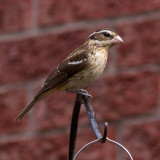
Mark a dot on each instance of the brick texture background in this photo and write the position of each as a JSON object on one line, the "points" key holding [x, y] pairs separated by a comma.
{"points": [[35, 35]]}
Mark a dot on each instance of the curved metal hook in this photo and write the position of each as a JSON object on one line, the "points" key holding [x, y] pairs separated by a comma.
{"points": [[101, 139]]}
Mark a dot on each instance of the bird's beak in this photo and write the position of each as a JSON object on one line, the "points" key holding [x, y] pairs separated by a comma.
{"points": [[117, 39]]}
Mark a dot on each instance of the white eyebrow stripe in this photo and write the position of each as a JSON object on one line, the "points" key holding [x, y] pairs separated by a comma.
{"points": [[100, 32], [92, 34], [105, 31]]}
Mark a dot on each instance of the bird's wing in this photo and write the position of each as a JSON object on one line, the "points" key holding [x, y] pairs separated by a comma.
{"points": [[65, 70], [74, 63]]}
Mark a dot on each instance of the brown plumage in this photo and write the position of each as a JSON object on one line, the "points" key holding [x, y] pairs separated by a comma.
{"points": [[80, 68]]}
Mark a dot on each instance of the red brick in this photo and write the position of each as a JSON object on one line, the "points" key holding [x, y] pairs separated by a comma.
{"points": [[11, 102], [143, 140], [34, 57], [55, 111], [57, 12], [56, 147], [125, 95], [15, 15], [142, 43]]}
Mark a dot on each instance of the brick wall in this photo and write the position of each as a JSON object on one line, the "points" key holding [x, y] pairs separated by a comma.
{"points": [[35, 35]]}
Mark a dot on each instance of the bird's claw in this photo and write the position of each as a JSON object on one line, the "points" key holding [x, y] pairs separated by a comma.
{"points": [[81, 92]]}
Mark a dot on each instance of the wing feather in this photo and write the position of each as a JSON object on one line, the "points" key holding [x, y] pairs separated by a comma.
{"points": [[65, 70]]}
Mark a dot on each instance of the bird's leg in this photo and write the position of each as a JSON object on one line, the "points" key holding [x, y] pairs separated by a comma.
{"points": [[81, 92]]}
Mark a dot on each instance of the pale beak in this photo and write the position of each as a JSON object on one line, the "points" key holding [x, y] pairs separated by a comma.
{"points": [[117, 39]]}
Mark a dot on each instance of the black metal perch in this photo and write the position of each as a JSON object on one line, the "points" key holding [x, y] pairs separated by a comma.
{"points": [[74, 126], [84, 97]]}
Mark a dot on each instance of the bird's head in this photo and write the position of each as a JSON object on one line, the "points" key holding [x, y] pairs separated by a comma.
{"points": [[105, 37]]}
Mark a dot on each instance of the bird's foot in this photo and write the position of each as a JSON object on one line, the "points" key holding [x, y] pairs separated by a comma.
{"points": [[81, 92]]}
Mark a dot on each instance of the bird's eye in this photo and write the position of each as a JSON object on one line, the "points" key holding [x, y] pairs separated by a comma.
{"points": [[106, 34]]}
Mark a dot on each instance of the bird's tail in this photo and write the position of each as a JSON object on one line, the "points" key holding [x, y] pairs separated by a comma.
{"points": [[40, 95], [25, 110]]}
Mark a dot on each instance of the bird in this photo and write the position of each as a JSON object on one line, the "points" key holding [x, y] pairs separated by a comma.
{"points": [[81, 68]]}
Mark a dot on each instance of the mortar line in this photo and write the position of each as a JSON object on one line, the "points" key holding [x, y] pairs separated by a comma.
{"points": [[147, 117], [46, 133], [35, 11], [71, 26], [119, 71], [20, 85], [27, 135], [51, 132], [150, 117]]}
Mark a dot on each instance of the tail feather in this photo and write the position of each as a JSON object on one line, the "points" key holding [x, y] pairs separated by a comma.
{"points": [[40, 95], [25, 110]]}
